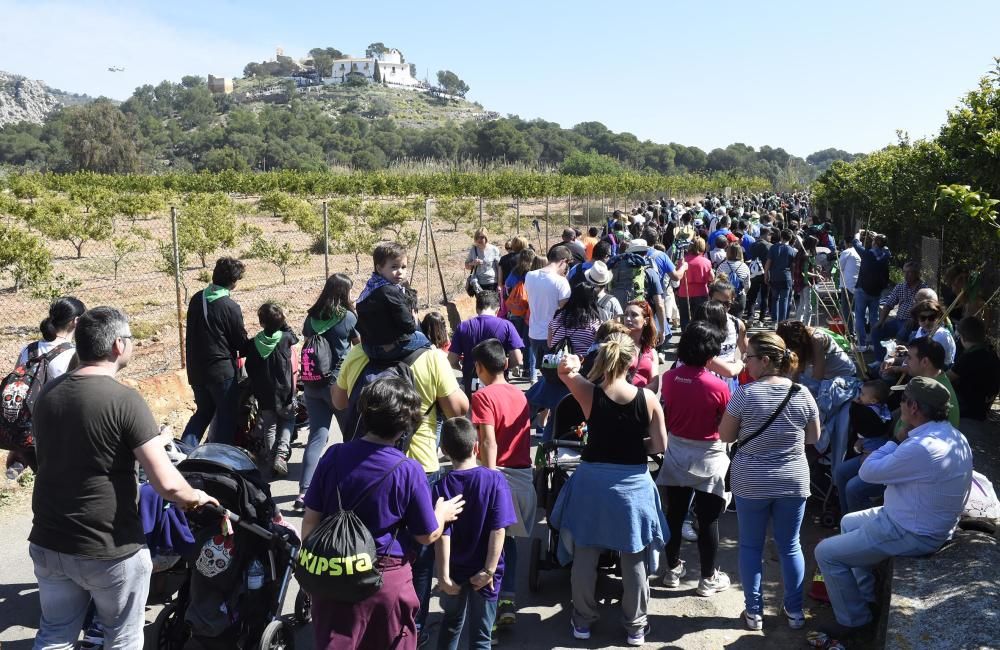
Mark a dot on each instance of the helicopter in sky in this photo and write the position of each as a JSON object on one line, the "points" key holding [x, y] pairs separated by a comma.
{"points": [[115, 68]]}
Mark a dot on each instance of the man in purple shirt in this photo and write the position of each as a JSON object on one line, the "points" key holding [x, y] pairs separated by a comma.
{"points": [[483, 326]]}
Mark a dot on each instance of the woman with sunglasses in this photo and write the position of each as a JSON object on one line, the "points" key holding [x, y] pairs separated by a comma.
{"points": [[929, 321]]}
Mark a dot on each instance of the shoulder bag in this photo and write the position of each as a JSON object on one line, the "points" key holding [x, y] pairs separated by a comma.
{"points": [[740, 444]]}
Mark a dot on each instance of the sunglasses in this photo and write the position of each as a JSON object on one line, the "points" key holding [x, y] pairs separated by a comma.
{"points": [[926, 317]]}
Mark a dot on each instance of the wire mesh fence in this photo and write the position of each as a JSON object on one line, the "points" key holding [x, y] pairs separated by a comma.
{"points": [[134, 266]]}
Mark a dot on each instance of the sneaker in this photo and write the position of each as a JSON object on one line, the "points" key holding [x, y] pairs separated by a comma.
{"points": [[672, 578], [423, 637], [728, 497], [688, 532], [753, 622], [796, 620], [506, 612], [300, 503], [280, 467], [14, 471], [638, 638], [579, 632], [710, 586], [94, 636]]}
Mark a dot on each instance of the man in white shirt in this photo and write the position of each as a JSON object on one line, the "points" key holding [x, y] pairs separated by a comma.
{"points": [[548, 290], [850, 265], [927, 477]]}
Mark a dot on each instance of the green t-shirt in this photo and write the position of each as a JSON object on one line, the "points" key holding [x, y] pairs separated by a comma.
{"points": [[953, 414]]}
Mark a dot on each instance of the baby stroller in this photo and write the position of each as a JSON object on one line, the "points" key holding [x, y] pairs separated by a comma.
{"points": [[555, 461], [236, 582]]}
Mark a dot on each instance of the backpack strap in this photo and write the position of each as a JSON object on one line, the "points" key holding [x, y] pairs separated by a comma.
{"points": [[56, 351], [371, 488], [33, 351]]}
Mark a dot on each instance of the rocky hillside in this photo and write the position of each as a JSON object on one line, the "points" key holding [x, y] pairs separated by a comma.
{"points": [[28, 100]]}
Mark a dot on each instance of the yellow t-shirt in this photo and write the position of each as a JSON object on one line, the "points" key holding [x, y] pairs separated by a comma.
{"points": [[434, 379]]}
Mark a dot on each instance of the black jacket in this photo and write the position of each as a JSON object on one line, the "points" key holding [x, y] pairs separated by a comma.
{"points": [[215, 336], [271, 378], [385, 317]]}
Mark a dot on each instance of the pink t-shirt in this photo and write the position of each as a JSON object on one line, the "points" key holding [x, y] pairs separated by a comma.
{"points": [[643, 366], [696, 279], [694, 400]]}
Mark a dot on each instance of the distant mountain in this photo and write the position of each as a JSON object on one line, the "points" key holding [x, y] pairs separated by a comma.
{"points": [[28, 100]]}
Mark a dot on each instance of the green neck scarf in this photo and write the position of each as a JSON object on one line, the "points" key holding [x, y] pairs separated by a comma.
{"points": [[266, 343], [213, 292], [321, 326]]}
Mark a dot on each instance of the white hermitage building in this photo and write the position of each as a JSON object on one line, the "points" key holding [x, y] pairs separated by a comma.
{"points": [[390, 65]]}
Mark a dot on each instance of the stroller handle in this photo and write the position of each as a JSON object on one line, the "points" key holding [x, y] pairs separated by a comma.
{"points": [[246, 525], [567, 444]]}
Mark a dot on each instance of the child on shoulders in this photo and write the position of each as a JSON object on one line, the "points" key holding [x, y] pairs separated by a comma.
{"points": [[386, 323]]}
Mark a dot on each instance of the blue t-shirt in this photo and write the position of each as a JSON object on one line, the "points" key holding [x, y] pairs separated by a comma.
{"points": [[781, 257], [661, 262], [723, 232], [488, 507]]}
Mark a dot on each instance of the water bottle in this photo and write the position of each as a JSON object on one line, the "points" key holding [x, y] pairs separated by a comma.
{"points": [[255, 575]]}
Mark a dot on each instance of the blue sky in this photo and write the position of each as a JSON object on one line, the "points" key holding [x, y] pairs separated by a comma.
{"points": [[799, 75]]}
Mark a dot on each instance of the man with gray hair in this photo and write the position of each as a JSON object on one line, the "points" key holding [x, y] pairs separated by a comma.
{"points": [[902, 297], [927, 474], [86, 540]]}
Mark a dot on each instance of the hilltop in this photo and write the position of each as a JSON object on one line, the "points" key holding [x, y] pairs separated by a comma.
{"points": [[30, 100]]}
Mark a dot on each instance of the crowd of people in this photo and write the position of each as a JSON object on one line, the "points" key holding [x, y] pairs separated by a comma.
{"points": [[439, 468]]}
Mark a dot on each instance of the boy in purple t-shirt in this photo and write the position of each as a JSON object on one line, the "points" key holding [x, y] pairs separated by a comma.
{"points": [[469, 553], [483, 326]]}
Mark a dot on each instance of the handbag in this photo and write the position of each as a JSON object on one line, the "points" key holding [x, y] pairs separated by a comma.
{"points": [[740, 444], [472, 282]]}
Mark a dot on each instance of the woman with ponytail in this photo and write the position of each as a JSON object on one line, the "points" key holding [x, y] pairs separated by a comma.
{"points": [[56, 343], [612, 485], [771, 419]]}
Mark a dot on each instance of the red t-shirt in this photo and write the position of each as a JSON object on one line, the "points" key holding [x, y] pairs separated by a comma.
{"points": [[643, 365], [694, 400], [505, 408]]}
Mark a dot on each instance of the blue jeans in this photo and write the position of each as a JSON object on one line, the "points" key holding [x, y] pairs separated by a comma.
{"points": [[892, 328], [321, 415], [508, 585], [854, 493], [67, 584], [417, 340], [782, 300], [866, 538], [786, 514], [535, 351], [481, 613], [423, 567], [865, 314], [218, 401], [521, 327], [845, 310]]}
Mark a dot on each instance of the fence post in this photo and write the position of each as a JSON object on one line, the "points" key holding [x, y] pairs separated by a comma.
{"points": [[177, 285], [427, 251], [569, 211], [517, 214], [326, 242], [546, 224], [480, 212]]}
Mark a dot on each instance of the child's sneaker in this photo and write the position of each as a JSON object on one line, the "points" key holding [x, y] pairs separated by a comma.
{"points": [[506, 612], [672, 578], [638, 638], [753, 622], [688, 532], [280, 467], [579, 632], [93, 638], [14, 471], [710, 586]]}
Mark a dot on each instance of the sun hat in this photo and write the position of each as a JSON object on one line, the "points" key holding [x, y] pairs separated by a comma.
{"points": [[598, 274]]}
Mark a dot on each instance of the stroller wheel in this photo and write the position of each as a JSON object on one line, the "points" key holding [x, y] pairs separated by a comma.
{"points": [[172, 631], [277, 636], [303, 608], [828, 519], [536, 552]]}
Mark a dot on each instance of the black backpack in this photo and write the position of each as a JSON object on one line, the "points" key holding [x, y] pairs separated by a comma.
{"points": [[374, 370], [19, 390], [317, 361], [338, 560]]}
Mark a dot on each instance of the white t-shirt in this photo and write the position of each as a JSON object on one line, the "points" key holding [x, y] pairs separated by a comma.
{"points": [[545, 290], [850, 265], [59, 365], [944, 337]]}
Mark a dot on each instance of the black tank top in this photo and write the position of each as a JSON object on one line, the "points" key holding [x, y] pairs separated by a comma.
{"points": [[615, 432]]}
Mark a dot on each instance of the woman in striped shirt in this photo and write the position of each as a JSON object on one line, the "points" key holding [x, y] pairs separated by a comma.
{"points": [[772, 419]]}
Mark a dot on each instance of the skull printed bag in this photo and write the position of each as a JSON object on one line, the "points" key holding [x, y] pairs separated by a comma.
{"points": [[19, 390]]}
